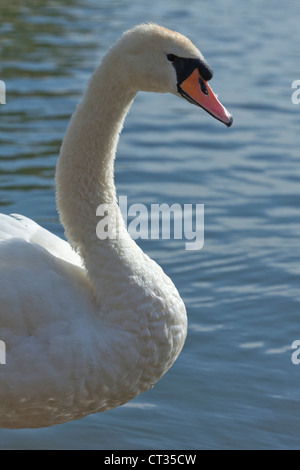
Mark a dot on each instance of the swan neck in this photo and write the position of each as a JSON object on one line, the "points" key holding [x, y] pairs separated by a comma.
{"points": [[85, 169]]}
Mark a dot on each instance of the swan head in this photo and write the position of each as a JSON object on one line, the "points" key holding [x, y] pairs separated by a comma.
{"points": [[156, 59]]}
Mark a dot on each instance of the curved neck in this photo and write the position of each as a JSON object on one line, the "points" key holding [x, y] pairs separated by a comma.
{"points": [[132, 293], [85, 169]]}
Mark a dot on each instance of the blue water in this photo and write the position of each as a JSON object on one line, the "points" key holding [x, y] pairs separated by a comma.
{"points": [[234, 386]]}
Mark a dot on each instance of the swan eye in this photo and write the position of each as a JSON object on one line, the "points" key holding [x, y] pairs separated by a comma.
{"points": [[172, 57]]}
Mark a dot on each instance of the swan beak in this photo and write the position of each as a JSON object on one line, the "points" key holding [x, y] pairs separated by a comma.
{"points": [[197, 91]]}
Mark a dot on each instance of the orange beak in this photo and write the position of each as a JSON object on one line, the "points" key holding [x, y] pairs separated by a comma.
{"points": [[197, 91]]}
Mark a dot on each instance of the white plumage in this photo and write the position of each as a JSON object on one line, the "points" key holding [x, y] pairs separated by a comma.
{"points": [[89, 330]]}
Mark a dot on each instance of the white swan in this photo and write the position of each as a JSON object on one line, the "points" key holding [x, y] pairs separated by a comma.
{"points": [[90, 327]]}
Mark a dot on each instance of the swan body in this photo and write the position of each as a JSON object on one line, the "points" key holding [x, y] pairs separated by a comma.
{"points": [[89, 324]]}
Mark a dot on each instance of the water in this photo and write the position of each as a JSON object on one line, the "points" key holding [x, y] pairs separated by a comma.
{"points": [[234, 385]]}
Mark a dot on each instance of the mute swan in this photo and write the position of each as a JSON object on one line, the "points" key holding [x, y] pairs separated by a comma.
{"points": [[88, 328]]}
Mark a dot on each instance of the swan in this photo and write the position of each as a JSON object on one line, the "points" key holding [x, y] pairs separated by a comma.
{"points": [[89, 323]]}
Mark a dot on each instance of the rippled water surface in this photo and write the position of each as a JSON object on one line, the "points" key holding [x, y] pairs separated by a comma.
{"points": [[234, 385]]}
